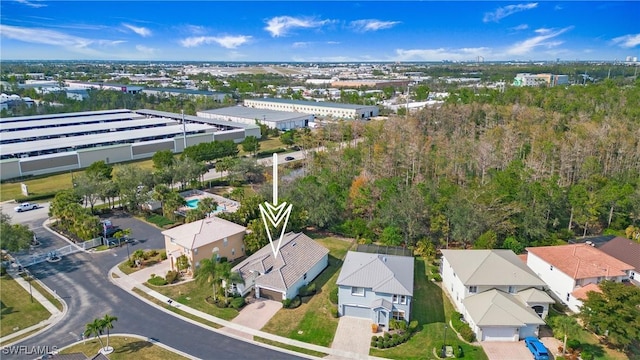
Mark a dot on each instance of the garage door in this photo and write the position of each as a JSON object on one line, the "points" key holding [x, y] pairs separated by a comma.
{"points": [[529, 330], [361, 312], [270, 294], [498, 334]]}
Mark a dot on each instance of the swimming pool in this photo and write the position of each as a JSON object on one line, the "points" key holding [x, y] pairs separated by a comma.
{"points": [[193, 204]]}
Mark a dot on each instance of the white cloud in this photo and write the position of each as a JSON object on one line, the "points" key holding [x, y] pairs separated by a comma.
{"points": [[195, 29], [34, 4], [281, 25], [229, 42], [300, 44], [439, 54], [146, 50], [520, 27], [70, 43], [524, 47], [371, 25], [503, 12], [627, 41], [142, 31]]}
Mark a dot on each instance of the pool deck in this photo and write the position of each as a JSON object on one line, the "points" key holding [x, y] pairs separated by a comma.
{"points": [[227, 204]]}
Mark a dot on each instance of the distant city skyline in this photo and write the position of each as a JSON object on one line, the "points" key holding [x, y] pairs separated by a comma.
{"points": [[311, 31]]}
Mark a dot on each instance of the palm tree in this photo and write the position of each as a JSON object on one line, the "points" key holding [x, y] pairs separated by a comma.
{"points": [[173, 201], [95, 328], [160, 194], [207, 206], [206, 273], [565, 325], [107, 323]]}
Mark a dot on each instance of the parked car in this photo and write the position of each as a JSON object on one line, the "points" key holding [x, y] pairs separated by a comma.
{"points": [[537, 348], [25, 207], [289, 158]]}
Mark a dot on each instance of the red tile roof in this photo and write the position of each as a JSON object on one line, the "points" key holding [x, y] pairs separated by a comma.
{"points": [[523, 257], [581, 261], [581, 292]]}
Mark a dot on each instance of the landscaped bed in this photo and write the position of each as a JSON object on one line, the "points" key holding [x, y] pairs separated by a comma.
{"points": [[124, 348]]}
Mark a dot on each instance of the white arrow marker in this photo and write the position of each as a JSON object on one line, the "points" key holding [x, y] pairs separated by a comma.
{"points": [[273, 213]]}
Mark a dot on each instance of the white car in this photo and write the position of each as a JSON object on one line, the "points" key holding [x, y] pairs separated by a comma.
{"points": [[25, 207]]}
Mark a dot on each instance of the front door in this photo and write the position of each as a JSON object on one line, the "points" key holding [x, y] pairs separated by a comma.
{"points": [[382, 318]]}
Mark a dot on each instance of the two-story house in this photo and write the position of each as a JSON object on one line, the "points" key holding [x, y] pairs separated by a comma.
{"points": [[204, 239], [568, 269], [376, 287], [495, 291]]}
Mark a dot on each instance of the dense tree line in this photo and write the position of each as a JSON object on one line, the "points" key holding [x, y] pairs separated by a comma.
{"points": [[484, 174]]}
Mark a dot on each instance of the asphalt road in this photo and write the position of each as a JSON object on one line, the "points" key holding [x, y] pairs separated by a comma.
{"points": [[81, 280]]}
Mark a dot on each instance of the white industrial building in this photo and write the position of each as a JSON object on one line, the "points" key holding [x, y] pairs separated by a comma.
{"points": [[526, 79], [166, 92], [281, 120], [319, 109], [43, 144]]}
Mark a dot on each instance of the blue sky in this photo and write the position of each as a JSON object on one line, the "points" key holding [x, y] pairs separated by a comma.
{"points": [[311, 31]]}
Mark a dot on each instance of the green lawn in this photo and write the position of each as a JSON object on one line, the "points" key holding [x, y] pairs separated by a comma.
{"points": [[47, 295], [17, 312], [194, 295], [313, 321], [124, 348], [432, 309], [590, 343]]}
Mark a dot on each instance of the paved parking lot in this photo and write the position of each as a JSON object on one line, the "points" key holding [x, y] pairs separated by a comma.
{"points": [[507, 350]]}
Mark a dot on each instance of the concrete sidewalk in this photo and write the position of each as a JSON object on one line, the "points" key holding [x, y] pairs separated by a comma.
{"points": [[56, 315], [128, 284]]}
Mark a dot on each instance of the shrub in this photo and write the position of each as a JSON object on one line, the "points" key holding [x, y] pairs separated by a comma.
{"points": [[387, 336], [3, 270], [467, 334], [171, 276], [437, 277], [152, 253], [334, 311], [224, 259], [374, 341], [308, 290], [237, 303], [157, 281], [163, 255], [380, 345], [286, 303], [395, 336], [413, 325], [573, 344], [585, 355], [333, 296], [34, 197]]}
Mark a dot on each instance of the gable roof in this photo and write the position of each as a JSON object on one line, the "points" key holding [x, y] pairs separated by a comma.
{"points": [[497, 308], [580, 261], [298, 254], [202, 232], [581, 292], [533, 295], [624, 250], [491, 267], [389, 274]]}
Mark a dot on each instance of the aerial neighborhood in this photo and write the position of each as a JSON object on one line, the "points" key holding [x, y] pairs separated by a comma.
{"points": [[313, 188]]}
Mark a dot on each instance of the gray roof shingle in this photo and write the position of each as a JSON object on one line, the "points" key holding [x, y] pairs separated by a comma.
{"points": [[389, 274], [496, 308], [298, 254]]}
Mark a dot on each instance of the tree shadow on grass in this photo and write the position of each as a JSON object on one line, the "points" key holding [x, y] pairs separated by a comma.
{"points": [[133, 347], [594, 349], [5, 310]]}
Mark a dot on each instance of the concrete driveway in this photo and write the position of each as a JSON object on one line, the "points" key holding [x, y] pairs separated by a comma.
{"points": [[507, 350], [255, 316], [353, 334]]}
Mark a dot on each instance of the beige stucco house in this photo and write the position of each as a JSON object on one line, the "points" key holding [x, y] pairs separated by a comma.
{"points": [[203, 239]]}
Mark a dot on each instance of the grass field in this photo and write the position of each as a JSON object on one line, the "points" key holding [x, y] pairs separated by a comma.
{"points": [[17, 312], [124, 348], [194, 295], [432, 309], [176, 310], [313, 322], [47, 295]]}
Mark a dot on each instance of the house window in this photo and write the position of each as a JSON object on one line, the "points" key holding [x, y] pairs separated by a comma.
{"points": [[195, 251], [403, 300], [512, 289], [304, 277], [395, 299], [568, 296], [173, 241], [398, 315], [631, 275], [551, 267], [233, 251], [600, 278], [357, 291], [226, 241], [473, 289]]}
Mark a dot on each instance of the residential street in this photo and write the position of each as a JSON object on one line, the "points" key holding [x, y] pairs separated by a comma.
{"points": [[81, 280]]}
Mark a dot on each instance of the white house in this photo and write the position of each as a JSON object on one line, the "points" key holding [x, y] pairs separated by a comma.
{"points": [[566, 269], [495, 291], [300, 259]]}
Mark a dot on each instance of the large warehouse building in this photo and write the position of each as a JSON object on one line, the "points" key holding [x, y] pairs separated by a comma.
{"points": [[282, 120], [36, 145], [319, 109]]}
